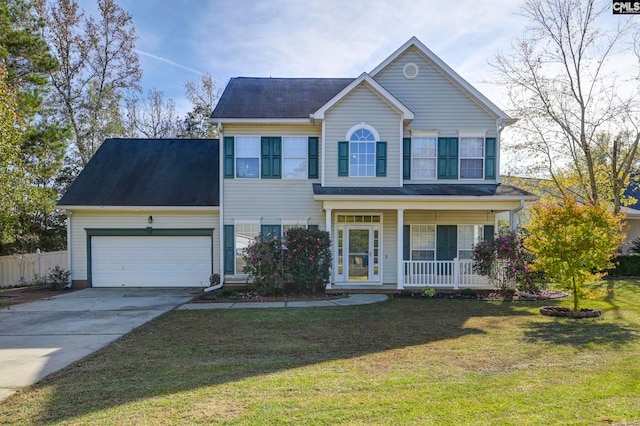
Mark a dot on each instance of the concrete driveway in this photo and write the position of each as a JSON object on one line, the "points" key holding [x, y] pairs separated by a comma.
{"points": [[44, 336]]}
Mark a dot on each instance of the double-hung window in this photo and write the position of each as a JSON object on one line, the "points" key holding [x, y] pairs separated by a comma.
{"points": [[468, 236], [294, 157], [248, 157], [424, 157], [245, 234], [471, 158], [423, 242]]}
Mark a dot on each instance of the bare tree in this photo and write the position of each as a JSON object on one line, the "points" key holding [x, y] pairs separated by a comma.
{"points": [[203, 96], [98, 68], [578, 117], [153, 116]]}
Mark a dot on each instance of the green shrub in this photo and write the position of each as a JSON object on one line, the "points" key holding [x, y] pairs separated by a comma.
{"points": [[301, 260], [626, 265], [57, 279], [263, 261], [307, 258]]}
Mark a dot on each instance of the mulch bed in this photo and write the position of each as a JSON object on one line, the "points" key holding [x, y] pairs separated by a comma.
{"points": [[218, 296], [18, 295]]}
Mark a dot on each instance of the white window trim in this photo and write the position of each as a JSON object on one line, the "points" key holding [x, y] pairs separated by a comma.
{"points": [[376, 137], [435, 235], [425, 134], [242, 221], [247, 220], [359, 126], [303, 222], [458, 237], [306, 138], [460, 158], [235, 155]]}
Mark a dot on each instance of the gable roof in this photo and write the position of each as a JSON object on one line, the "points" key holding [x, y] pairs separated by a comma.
{"points": [[448, 72], [276, 98], [365, 79], [149, 172]]}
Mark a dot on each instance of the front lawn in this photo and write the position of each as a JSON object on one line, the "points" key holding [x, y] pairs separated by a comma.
{"points": [[403, 361]]}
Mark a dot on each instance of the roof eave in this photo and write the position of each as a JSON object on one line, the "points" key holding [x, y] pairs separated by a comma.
{"points": [[261, 120], [334, 197], [136, 208]]}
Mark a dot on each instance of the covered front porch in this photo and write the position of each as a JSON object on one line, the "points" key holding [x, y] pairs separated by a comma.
{"points": [[398, 242]]}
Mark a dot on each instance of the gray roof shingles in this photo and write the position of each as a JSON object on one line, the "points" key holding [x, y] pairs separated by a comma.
{"points": [[149, 172], [270, 98], [462, 190]]}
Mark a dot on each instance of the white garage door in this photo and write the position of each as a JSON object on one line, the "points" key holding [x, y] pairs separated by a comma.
{"points": [[150, 261]]}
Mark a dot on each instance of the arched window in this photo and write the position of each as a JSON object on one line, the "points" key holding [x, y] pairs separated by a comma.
{"points": [[362, 150]]}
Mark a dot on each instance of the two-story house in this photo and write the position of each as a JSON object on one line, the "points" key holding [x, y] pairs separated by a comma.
{"points": [[399, 165]]}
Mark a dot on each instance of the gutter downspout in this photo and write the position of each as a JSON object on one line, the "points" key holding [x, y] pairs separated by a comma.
{"points": [[69, 247], [221, 205]]}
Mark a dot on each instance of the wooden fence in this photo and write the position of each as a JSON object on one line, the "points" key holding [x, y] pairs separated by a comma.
{"points": [[21, 269]]}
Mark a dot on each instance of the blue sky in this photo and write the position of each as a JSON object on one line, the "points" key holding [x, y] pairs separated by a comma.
{"points": [[179, 39]]}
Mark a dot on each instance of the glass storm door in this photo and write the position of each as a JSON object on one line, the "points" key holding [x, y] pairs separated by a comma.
{"points": [[359, 249], [358, 253]]}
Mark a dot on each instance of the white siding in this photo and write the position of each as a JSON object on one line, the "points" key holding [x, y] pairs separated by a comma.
{"points": [[81, 220], [363, 106], [271, 200], [438, 104], [447, 217]]}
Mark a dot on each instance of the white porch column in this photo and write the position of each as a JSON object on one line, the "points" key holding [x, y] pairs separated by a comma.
{"points": [[327, 227], [400, 250]]}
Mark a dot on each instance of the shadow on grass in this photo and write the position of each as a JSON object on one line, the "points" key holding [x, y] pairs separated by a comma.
{"points": [[617, 296], [581, 332], [187, 350]]}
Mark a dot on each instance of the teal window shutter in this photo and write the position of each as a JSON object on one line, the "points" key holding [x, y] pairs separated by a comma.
{"points": [[490, 158], [381, 159], [446, 242], [406, 158], [271, 157], [229, 249], [228, 157], [447, 158], [270, 231], [343, 158], [313, 158], [406, 242], [489, 233]]}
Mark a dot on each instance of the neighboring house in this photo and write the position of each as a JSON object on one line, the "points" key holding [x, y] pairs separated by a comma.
{"points": [[631, 216], [399, 165]]}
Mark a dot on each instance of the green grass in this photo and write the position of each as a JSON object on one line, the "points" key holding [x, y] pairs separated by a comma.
{"points": [[403, 361]]}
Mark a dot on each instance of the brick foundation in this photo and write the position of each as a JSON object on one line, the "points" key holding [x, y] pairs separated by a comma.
{"points": [[79, 284]]}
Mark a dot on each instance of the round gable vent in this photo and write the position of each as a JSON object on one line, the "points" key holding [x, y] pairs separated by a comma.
{"points": [[410, 70]]}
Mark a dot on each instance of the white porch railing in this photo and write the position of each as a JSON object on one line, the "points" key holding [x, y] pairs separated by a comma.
{"points": [[455, 274]]}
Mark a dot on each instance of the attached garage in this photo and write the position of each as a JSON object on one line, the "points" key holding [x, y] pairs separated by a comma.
{"points": [[151, 261], [143, 213]]}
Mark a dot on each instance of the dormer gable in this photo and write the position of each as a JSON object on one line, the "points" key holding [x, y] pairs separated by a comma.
{"points": [[365, 80], [410, 71]]}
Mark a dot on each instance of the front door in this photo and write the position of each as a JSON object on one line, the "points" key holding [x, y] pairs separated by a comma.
{"points": [[359, 254]]}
